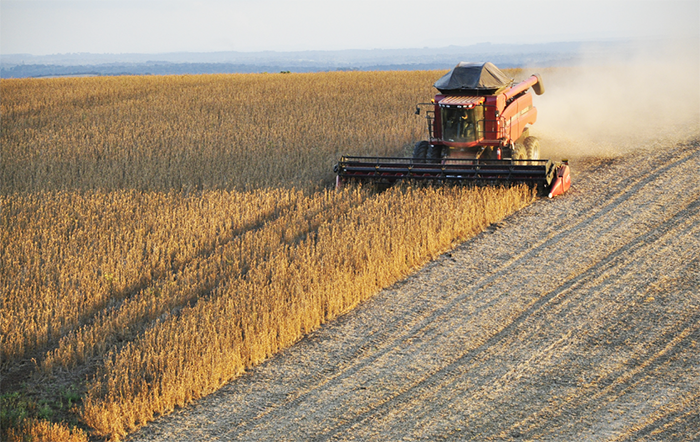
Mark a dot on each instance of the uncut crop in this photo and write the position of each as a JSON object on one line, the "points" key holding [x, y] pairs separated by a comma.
{"points": [[159, 235], [201, 132]]}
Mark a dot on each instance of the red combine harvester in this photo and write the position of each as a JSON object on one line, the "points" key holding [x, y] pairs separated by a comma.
{"points": [[478, 128]]}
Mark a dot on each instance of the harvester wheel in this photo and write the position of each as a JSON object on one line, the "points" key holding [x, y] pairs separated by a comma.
{"points": [[519, 152], [434, 153], [532, 148], [420, 150]]}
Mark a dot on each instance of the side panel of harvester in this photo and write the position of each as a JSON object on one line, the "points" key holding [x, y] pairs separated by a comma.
{"points": [[493, 121], [520, 112], [517, 116]]}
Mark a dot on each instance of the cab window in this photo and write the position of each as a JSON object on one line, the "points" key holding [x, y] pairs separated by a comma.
{"points": [[462, 125]]}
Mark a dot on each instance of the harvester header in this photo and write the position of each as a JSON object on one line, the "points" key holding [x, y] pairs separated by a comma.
{"points": [[478, 130]]}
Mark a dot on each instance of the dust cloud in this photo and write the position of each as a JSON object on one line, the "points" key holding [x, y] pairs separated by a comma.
{"points": [[610, 104]]}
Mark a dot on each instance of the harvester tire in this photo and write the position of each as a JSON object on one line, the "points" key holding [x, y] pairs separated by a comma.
{"points": [[532, 148], [434, 154], [519, 152], [420, 150]]}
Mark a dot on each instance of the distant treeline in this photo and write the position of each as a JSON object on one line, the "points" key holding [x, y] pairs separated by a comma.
{"points": [[45, 70], [166, 68]]}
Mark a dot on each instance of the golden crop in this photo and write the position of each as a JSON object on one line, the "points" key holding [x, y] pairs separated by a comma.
{"points": [[201, 132], [161, 234]]}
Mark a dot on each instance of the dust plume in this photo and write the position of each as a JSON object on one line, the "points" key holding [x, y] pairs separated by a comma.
{"points": [[611, 103]]}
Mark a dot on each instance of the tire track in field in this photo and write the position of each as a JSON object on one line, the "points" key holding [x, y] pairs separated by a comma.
{"points": [[629, 265], [670, 354], [663, 425], [673, 342], [557, 409], [582, 332], [676, 337], [335, 377]]}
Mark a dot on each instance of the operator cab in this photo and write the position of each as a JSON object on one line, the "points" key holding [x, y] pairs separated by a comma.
{"points": [[462, 120]]}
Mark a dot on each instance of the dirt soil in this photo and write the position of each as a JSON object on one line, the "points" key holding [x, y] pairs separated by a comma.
{"points": [[577, 318]]}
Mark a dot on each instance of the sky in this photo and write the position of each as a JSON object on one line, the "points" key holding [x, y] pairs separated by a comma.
{"points": [[43, 27]]}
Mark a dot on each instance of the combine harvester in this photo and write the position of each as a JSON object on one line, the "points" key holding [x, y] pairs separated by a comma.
{"points": [[478, 128]]}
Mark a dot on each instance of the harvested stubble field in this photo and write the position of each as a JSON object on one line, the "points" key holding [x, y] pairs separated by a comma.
{"points": [[161, 235]]}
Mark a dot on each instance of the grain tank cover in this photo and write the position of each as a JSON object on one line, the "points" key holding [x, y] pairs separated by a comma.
{"points": [[473, 79]]}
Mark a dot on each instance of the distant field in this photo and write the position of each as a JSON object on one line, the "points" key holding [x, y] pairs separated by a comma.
{"points": [[161, 234]]}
